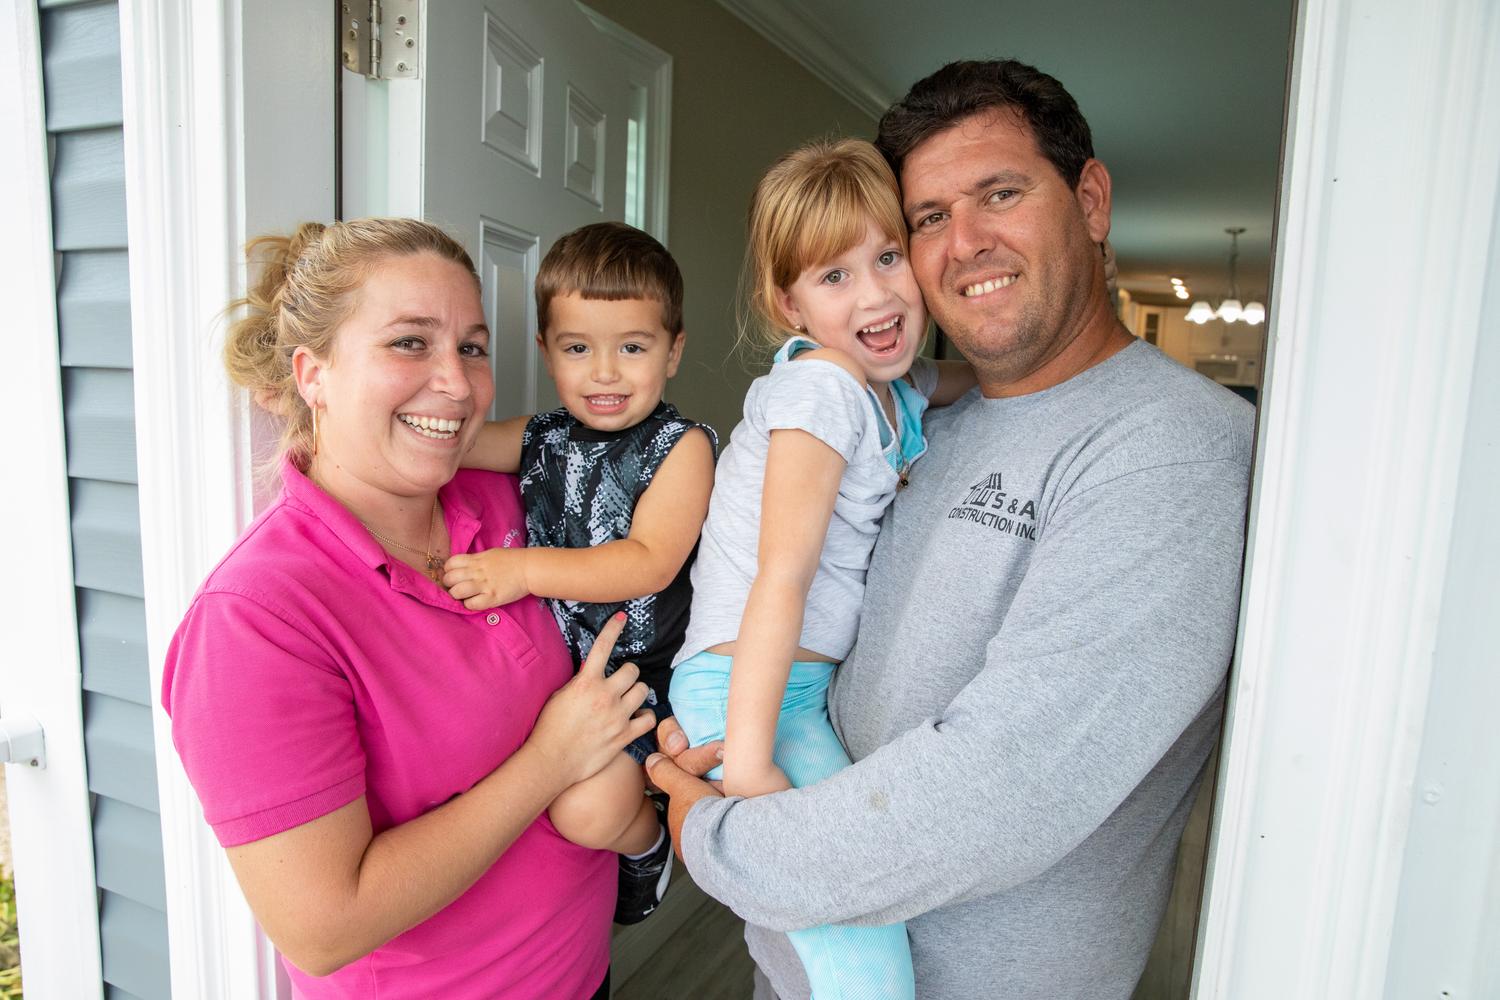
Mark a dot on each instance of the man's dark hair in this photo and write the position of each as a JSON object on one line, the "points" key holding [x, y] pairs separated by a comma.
{"points": [[967, 87]]}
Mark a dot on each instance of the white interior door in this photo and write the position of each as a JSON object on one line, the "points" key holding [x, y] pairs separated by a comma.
{"points": [[526, 121]]}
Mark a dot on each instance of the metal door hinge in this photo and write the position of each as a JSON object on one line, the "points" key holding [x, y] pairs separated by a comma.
{"points": [[379, 38]]}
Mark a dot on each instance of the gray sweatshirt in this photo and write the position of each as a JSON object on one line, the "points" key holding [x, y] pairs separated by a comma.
{"points": [[1036, 686]]}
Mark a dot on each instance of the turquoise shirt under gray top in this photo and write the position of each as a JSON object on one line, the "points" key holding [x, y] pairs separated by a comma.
{"points": [[824, 400], [1037, 683]]}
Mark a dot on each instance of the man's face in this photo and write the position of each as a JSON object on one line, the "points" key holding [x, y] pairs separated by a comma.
{"points": [[1005, 252]]}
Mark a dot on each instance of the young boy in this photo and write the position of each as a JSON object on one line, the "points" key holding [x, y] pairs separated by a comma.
{"points": [[616, 486]]}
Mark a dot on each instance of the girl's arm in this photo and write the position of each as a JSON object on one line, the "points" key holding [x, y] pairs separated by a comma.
{"points": [[954, 379], [663, 531], [801, 485], [329, 891], [497, 447]]}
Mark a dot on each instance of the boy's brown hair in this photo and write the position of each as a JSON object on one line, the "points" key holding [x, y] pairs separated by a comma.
{"points": [[610, 261]]}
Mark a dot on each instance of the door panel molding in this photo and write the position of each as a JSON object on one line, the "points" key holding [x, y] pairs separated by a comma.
{"points": [[652, 74], [512, 95], [508, 259]]}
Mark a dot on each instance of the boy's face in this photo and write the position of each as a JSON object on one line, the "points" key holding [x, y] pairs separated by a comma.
{"points": [[610, 360]]}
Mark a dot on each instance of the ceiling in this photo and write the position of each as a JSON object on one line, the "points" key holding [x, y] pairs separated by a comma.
{"points": [[1185, 99]]}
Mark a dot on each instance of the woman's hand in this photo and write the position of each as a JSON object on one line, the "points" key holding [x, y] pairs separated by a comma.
{"points": [[592, 717]]}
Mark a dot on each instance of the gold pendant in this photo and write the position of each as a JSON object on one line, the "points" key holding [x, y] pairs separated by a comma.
{"points": [[435, 568]]}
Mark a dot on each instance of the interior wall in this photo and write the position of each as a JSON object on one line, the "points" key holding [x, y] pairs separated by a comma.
{"points": [[1186, 342], [738, 102]]}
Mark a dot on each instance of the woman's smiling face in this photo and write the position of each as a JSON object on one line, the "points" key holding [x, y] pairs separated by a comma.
{"points": [[408, 384]]}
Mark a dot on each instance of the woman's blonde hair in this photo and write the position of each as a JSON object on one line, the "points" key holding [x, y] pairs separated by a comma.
{"points": [[301, 295], [811, 206]]}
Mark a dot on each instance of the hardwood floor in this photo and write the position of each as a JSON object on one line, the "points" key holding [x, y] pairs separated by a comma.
{"points": [[1169, 970], [703, 959], [694, 949]]}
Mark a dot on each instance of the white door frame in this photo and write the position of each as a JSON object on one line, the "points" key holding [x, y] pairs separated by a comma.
{"points": [[207, 162], [40, 673], [1386, 218]]}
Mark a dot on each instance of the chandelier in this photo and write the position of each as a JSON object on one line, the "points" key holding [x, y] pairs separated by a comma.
{"points": [[1230, 310]]}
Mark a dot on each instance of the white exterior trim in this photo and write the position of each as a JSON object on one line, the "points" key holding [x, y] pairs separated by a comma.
{"points": [[51, 830], [206, 164], [1388, 206], [183, 193], [785, 27]]}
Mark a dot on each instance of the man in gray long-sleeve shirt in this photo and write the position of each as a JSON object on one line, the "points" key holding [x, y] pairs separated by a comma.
{"points": [[1050, 612]]}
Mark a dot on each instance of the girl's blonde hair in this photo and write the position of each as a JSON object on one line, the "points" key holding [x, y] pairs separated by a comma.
{"points": [[811, 206], [302, 294]]}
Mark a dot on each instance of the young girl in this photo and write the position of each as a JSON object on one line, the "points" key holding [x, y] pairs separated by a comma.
{"points": [[828, 437]]}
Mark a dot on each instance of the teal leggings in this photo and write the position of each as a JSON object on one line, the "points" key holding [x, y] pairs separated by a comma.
{"points": [[842, 963]]}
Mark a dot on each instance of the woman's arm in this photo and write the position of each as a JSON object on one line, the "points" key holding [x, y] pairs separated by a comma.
{"points": [[663, 531], [497, 447], [329, 891], [801, 485]]}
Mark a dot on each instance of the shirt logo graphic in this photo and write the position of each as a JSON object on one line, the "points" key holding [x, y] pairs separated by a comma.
{"points": [[990, 505]]}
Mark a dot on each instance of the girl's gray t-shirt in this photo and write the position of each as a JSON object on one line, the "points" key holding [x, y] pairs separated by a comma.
{"points": [[824, 400]]}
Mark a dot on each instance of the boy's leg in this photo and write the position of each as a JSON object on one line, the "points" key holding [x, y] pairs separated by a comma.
{"points": [[608, 812]]}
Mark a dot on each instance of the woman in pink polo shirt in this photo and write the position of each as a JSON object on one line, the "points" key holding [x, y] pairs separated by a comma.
{"points": [[376, 759]]}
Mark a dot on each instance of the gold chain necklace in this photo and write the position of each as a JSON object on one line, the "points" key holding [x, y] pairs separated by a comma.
{"points": [[434, 561]]}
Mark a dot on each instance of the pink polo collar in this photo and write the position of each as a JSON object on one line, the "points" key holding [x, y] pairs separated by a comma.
{"points": [[460, 514]]}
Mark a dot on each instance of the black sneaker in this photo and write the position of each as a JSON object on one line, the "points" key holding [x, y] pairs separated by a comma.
{"points": [[643, 881]]}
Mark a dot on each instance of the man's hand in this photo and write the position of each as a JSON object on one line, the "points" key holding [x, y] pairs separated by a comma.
{"points": [[679, 775], [486, 579]]}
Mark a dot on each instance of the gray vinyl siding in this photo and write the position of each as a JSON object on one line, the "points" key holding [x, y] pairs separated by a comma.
{"points": [[81, 76]]}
